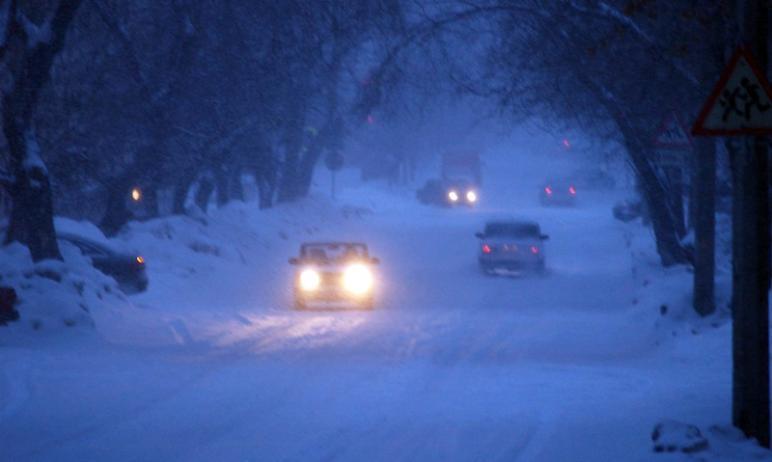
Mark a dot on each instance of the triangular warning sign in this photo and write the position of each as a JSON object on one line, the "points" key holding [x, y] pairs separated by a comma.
{"points": [[741, 102], [672, 134]]}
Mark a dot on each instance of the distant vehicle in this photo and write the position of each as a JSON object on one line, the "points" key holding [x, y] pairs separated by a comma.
{"points": [[449, 193], [558, 192], [128, 270], [462, 165], [334, 272], [459, 182], [511, 245]]}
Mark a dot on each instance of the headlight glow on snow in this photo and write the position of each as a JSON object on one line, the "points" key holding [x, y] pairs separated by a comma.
{"points": [[310, 279], [471, 196], [453, 196], [357, 279]]}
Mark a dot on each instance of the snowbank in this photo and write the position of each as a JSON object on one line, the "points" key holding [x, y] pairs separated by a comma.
{"points": [[56, 294]]}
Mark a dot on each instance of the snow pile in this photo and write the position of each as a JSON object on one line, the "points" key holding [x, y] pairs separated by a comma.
{"points": [[717, 444], [672, 436], [56, 294], [668, 291], [226, 239]]}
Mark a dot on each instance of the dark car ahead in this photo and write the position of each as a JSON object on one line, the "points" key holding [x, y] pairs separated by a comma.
{"points": [[449, 192], [558, 192], [334, 272], [128, 270], [511, 245]]}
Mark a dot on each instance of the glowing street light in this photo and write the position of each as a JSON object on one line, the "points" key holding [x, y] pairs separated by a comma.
{"points": [[136, 194]]}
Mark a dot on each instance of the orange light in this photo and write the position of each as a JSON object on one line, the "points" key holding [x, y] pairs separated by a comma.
{"points": [[140, 260], [136, 194]]}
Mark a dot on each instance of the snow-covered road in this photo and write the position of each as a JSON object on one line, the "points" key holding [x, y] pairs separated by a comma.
{"points": [[452, 365]]}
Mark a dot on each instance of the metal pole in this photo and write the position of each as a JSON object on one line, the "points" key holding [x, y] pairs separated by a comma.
{"points": [[751, 260]]}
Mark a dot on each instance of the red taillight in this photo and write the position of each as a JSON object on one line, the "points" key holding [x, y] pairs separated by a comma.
{"points": [[548, 190], [572, 190], [486, 248], [534, 250]]}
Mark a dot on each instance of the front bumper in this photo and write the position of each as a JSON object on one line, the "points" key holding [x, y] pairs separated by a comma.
{"points": [[331, 295]]}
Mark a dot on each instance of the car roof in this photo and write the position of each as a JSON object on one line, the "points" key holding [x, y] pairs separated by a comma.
{"points": [[511, 222], [560, 181], [321, 243], [84, 240]]}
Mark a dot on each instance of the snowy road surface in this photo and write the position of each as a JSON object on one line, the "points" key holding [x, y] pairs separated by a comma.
{"points": [[452, 365]]}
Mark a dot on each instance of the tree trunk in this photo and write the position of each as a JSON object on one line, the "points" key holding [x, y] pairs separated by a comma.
{"points": [[306, 169], [704, 205], [32, 214], [221, 179], [236, 187], [117, 213], [669, 247], [150, 201], [204, 192], [675, 186], [27, 68], [288, 181], [266, 187], [181, 189]]}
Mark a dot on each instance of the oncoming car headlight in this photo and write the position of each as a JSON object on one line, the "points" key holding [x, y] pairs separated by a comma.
{"points": [[357, 279], [453, 196], [471, 196], [309, 280]]}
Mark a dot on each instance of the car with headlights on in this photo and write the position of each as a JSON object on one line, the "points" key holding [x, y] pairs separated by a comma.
{"points": [[331, 273], [511, 246], [449, 192]]}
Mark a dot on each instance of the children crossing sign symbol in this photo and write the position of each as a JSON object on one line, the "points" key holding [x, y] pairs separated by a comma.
{"points": [[741, 102], [672, 134]]}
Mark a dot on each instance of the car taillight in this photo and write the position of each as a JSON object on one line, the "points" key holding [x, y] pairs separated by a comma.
{"points": [[486, 248], [548, 190], [572, 190], [534, 250]]}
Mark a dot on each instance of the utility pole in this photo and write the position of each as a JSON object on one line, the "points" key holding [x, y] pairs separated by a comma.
{"points": [[751, 255]]}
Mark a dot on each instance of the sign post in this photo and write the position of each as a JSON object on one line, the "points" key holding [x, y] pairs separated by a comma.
{"points": [[334, 162], [741, 105]]}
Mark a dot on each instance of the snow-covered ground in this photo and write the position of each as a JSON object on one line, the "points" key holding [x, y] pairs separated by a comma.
{"points": [[212, 364]]}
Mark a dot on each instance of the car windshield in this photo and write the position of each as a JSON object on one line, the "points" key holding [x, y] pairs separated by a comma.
{"points": [[333, 251], [521, 230]]}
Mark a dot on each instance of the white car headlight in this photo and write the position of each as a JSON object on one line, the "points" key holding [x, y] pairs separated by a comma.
{"points": [[357, 279], [310, 280], [453, 196], [471, 196]]}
